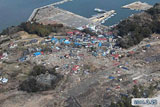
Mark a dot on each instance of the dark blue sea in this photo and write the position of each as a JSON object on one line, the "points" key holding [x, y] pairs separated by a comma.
{"points": [[13, 12]]}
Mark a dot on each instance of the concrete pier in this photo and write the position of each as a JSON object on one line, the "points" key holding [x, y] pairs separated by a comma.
{"points": [[52, 15], [100, 17], [33, 14]]}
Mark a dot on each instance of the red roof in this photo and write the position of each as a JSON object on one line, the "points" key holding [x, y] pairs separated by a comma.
{"points": [[131, 52], [67, 38], [1, 56], [115, 55], [135, 81], [89, 44], [116, 64], [118, 87], [109, 33], [69, 32], [76, 31], [94, 37], [102, 39], [42, 53], [75, 68], [81, 55]]}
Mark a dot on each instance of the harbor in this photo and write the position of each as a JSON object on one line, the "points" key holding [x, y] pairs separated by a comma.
{"points": [[50, 15], [15, 14], [137, 6]]}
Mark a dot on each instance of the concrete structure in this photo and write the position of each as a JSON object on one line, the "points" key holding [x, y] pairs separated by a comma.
{"points": [[101, 17], [51, 15]]}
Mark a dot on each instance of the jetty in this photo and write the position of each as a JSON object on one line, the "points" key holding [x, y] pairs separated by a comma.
{"points": [[138, 6], [56, 3], [102, 17]]}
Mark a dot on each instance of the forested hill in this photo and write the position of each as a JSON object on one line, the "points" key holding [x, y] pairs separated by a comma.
{"points": [[139, 26]]}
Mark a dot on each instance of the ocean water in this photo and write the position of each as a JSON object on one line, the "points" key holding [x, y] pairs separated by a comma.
{"points": [[13, 12]]}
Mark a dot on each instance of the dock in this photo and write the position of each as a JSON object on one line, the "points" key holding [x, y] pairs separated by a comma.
{"points": [[138, 6], [101, 17]]}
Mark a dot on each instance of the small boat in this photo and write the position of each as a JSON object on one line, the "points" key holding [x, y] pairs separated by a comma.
{"points": [[99, 10]]}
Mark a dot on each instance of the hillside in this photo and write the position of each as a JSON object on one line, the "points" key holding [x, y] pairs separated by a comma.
{"points": [[36, 28], [139, 26]]}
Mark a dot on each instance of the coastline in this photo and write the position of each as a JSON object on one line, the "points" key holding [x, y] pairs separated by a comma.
{"points": [[17, 15]]}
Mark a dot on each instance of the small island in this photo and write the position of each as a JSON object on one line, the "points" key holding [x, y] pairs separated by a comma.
{"points": [[137, 6]]}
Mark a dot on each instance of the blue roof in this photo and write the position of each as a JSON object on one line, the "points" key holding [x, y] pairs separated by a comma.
{"points": [[37, 53], [99, 44], [54, 39], [57, 48], [104, 54], [61, 40], [77, 43], [93, 41], [110, 77], [148, 45], [125, 68], [22, 59], [67, 42]]}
